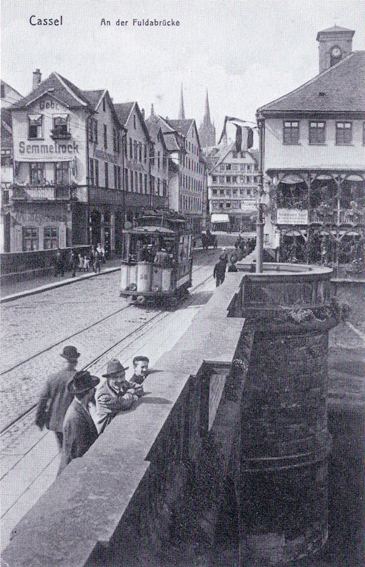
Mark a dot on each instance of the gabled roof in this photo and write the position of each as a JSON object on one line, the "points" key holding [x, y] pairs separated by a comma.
{"points": [[10, 87], [336, 28], [94, 97], [169, 134], [338, 89], [124, 111], [182, 126], [59, 88], [154, 130], [6, 129]]}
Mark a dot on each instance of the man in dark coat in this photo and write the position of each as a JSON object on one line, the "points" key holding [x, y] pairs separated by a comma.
{"points": [[55, 398], [219, 271], [140, 370], [79, 430]]}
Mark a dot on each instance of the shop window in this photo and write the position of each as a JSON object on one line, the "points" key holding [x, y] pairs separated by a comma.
{"points": [[317, 132], [30, 239], [343, 133], [50, 239], [36, 174], [35, 130], [60, 127], [291, 132], [62, 173]]}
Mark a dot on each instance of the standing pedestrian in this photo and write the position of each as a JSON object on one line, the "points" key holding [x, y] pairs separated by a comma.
{"points": [[74, 262], [96, 260], [55, 398], [116, 394], [219, 272], [79, 431], [59, 264]]}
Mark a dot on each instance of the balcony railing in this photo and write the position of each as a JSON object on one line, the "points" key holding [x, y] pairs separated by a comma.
{"points": [[43, 193]]}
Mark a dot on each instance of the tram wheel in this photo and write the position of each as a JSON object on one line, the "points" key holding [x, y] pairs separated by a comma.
{"points": [[141, 300]]}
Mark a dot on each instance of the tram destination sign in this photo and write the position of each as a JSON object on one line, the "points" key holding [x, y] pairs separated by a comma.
{"points": [[292, 216]]}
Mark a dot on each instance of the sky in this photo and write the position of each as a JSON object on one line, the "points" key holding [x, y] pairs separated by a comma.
{"points": [[246, 53]]}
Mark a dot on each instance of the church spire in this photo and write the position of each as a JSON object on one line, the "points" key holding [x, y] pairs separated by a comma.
{"points": [[182, 109], [206, 119]]}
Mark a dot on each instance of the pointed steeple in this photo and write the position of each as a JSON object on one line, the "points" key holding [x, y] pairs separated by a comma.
{"points": [[206, 119], [182, 109]]}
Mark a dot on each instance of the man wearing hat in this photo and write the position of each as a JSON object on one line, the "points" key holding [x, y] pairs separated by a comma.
{"points": [[55, 398], [114, 395], [79, 431]]}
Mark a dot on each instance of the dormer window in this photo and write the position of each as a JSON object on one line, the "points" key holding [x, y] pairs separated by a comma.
{"points": [[35, 123], [60, 127]]}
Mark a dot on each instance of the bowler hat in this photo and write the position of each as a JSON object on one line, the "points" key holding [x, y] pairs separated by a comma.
{"points": [[70, 352], [82, 382], [114, 367]]}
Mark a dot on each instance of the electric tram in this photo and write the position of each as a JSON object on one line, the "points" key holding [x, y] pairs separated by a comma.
{"points": [[157, 258]]}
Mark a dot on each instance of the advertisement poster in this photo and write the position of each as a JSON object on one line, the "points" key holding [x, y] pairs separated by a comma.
{"points": [[149, 148]]}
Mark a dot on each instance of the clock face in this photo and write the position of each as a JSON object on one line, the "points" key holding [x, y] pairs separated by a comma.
{"points": [[336, 51]]}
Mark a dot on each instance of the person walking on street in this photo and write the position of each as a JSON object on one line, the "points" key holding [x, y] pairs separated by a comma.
{"points": [[219, 272], [116, 394], [55, 398], [79, 431]]}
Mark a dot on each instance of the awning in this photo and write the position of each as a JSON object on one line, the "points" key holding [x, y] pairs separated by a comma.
{"points": [[220, 217]]}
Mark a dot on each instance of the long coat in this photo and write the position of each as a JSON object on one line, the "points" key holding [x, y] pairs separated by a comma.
{"points": [[54, 401], [79, 433]]}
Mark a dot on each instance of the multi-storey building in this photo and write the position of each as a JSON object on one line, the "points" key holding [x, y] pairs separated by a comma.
{"points": [[68, 164], [158, 164], [186, 169], [8, 97], [232, 187], [312, 143]]}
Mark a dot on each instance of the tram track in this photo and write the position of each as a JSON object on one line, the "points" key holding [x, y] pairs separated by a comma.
{"points": [[98, 362]]}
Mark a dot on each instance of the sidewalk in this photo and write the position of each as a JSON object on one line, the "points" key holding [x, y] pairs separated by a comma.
{"points": [[37, 285]]}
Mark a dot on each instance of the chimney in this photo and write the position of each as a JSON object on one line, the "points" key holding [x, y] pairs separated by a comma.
{"points": [[37, 78]]}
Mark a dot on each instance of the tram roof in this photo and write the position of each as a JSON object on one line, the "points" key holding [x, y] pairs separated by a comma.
{"points": [[150, 229]]}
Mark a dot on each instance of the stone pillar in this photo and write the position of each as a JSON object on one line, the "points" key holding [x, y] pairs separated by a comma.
{"points": [[281, 468]]}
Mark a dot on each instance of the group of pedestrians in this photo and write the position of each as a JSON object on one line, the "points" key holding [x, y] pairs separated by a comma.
{"points": [[78, 406], [80, 261]]}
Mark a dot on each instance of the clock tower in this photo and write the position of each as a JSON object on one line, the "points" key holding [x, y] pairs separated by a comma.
{"points": [[334, 44]]}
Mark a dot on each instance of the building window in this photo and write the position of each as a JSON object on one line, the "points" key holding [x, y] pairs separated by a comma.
{"points": [[140, 151], [141, 182], [105, 136], [37, 173], [317, 132], [130, 148], [363, 133], [291, 132], [93, 131], [104, 105], [106, 176], [62, 173], [96, 173], [214, 191], [35, 126], [131, 180], [135, 150], [30, 239], [50, 238], [91, 171], [134, 121], [6, 160], [145, 183], [126, 179], [136, 182], [60, 127], [2, 90], [343, 133]]}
